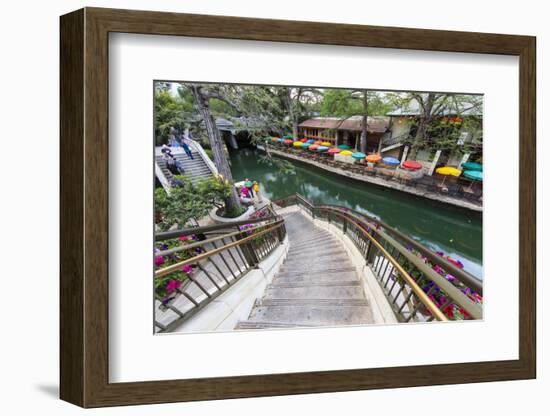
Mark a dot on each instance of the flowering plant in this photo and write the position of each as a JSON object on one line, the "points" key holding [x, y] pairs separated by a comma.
{"points": [[436, 294], [166, 287]]}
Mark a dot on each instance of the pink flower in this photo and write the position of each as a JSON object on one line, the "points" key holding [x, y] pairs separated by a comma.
{"points": [[438, 268], [183, 238], [187, 269], [159, 261], [173, 285]]}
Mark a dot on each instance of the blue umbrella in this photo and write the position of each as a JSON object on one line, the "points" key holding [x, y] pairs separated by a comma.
{"points": [[358, 155], [322, 148], [391, 161], [310, 141]]}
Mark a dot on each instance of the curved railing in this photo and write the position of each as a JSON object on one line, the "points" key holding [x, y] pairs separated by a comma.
{"points": [[196, 265], [418, 284]]}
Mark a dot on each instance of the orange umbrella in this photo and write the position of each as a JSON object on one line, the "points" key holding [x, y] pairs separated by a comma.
{"points": [[374, 158], [313, 147]]}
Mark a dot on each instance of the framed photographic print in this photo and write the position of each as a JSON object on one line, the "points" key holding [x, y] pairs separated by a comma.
{"points": [[255, 207]]}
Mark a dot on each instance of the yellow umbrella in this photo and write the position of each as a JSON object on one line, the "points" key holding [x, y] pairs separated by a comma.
{"points": [[297, 144], [346, 153], [326, 144], [448, 171]]}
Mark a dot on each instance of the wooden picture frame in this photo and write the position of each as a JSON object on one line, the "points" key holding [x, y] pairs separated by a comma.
{"points": [[84, 207]]}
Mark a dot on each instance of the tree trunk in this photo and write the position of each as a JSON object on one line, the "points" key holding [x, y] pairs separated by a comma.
{"points": [[201, 101], [363, 147], [425, 120]]}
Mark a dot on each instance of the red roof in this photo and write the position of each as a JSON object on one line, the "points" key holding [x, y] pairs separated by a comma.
{"points": [[374, 124]]}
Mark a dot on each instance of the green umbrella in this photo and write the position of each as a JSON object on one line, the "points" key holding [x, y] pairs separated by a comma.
{"points": [[288, 136], [344, 146], [468, 166], [474, 175], [248, 184]]}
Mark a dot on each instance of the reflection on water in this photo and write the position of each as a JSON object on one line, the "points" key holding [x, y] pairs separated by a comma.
{"points": [[439, 227]]}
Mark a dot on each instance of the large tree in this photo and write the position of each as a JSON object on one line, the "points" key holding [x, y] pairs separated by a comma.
{"points": [[346, 103], [431, 107], [202, 96]]}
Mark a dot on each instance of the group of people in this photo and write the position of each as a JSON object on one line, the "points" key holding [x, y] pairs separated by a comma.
{"points": [[172, 163], [250, 192]]}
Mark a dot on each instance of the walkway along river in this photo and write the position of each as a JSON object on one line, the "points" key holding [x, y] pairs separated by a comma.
{"points": [[440, 227]]}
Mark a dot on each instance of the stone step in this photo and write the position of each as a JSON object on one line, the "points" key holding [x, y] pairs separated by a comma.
{"points": [[314, 242], [335, 250], [315, 292], [268, 325], [318, 262], [315, 277], [317, 312], [275, 284]]}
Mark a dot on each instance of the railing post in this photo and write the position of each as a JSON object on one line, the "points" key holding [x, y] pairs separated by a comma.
{"points": [[344, 225], [248, 252]]}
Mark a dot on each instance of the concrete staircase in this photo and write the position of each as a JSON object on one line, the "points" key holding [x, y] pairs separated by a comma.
{"points": [[196, 168], [317, 284]]}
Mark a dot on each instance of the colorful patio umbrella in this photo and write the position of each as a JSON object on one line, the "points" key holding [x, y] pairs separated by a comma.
{"points": [[305, 145], [391, 161], [303, 140], [346, 153], [344, 146], [328, 144], [474, 175], [318, 142], [288, 141], [280, 140], [288, 136], [411, 165], [358, 155], [274, 139], [472, 166], [313, 146], [333, 150], [374, 158], [311, 141], [447, 171], [322, 149], [297, 144]]}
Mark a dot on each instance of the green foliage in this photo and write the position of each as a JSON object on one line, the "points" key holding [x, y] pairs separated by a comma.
{"points": [[188, 201], [171, 113]]}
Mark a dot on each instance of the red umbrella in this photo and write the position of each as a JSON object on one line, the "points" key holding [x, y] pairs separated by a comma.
{"points": [[334, 150], [303, 140], [412, 165], [288, 141]]}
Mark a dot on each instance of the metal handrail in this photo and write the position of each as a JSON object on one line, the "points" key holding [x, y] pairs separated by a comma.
{"points": [[462, 275], [167, 235], [213, 271], [174, 267], [432, 307], [369, 230]]}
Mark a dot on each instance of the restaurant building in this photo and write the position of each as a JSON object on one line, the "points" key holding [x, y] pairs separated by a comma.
{"points": [[338, 131]]}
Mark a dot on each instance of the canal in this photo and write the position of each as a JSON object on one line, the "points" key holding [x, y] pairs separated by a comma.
{"points": [[440, 227]]}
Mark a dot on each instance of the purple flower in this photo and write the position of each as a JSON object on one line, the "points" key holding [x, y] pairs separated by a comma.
{"points": [[450, 278], [159, 261], [187, 269], [439, 253], [173, 285]]}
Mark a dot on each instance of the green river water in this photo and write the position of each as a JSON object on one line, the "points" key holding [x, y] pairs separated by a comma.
{"points": [[440, 227]]}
